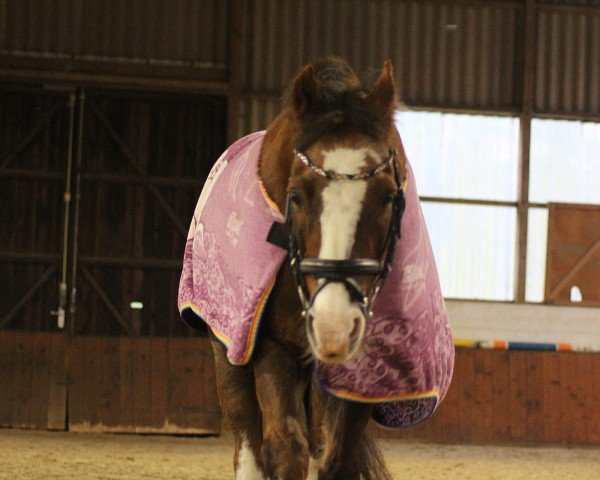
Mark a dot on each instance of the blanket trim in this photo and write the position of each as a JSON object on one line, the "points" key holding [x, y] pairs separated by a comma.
{"points": [[357, 397], [266, 195], [254, 327]]}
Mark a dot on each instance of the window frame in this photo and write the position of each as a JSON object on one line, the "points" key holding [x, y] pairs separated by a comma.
{"points": [[523, 205]]}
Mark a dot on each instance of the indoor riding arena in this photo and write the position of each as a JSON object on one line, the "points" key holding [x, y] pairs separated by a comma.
{"points": [[112, 115]]}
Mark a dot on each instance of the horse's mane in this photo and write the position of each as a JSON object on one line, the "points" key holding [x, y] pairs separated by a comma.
{"points": [[341, 106]]}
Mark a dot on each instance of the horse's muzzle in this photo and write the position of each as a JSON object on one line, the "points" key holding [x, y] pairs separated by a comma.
{"points": [[336, 317], [333, 346]]}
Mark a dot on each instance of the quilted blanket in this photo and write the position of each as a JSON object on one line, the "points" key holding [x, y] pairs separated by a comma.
{"points": [[405, 362]]}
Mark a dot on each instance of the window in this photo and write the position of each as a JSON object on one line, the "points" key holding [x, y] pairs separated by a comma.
{"points": [[565, 162], [564, 167], [467, 173], [462, 156], [466, 168], [474, 247], [536, 254]]}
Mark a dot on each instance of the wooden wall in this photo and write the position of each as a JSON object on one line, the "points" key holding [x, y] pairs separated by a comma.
{"points": [[110, 384], [573, 257], [167, 385], [33, 380], [142, 159], [517, 397]]}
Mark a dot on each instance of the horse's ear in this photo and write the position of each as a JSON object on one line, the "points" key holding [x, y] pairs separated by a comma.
{"points": [[383, 92], [305, 91]]}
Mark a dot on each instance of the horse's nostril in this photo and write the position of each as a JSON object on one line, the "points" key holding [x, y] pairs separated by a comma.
{"points": [[355, 327]]}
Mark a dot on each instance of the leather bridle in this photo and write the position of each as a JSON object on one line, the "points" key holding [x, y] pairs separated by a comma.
{"points": [[341, 271]]}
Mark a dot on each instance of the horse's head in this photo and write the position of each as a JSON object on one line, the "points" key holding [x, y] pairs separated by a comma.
{"points": [[344, 201]]}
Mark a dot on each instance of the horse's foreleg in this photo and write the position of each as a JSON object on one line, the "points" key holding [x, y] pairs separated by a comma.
{"points": [[239, 405], [280, 387], [343, 440], [316, 418]]}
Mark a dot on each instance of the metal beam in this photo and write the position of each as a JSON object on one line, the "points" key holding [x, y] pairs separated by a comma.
{"points": [[52, 73], [581, 117]]}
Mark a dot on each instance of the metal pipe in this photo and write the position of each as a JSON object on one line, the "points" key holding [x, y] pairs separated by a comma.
{"points": [[73, 299], [62, 288]]}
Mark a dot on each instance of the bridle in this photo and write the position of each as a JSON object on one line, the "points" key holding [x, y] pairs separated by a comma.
{"points": [[341, 271]]}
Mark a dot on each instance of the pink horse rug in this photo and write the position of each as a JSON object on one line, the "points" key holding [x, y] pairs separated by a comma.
{"points": [[404, 364]]}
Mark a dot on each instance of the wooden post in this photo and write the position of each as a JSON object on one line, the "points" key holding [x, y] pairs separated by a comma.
{"points": [[525, 143]]}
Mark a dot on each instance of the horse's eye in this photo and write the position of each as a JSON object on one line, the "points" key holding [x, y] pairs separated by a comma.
{"points": [[389, 198], [295, 198]]}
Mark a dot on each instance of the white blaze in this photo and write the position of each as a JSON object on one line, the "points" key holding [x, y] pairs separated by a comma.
{"points": [[247, 466], [343, 200], [342, 203]]}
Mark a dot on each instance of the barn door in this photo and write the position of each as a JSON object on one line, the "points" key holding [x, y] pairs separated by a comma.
{"points": [[36, 152], [143, 162], [97, 189]]}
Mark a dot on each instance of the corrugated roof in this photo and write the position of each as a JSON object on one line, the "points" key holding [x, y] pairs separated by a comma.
{"points": [[444, 53], [568, 63], [192, 32]]}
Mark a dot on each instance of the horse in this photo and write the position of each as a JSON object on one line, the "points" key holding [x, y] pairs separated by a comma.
{"points": [[333, 167], [285, 426]]}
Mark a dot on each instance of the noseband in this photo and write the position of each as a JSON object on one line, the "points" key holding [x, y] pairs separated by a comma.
{"points": [[342, 271]]}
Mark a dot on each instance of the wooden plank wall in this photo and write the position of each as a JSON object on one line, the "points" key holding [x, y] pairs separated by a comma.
{"points": [[113, 384], [33, 380], [142, 385], [167, 385], [516, 397], [573, 257]]}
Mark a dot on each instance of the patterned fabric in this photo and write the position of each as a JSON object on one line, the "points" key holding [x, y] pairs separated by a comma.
{"points": [[229, 268], [405, 362]]}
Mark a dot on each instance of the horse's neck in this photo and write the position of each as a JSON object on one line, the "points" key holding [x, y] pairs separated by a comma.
{"points": [[276, 158]]}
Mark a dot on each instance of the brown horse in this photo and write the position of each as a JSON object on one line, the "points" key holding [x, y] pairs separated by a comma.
{"points": [[333, 161]]}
